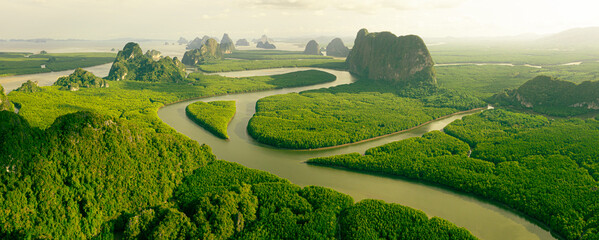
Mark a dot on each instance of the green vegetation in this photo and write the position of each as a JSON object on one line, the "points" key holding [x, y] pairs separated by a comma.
{"points": [[547, 169], [132, 64], [272, 55], [486, 80], [374, 219], [17, 63], [29, 87], [139, 101], [213, 116], [4, 103], [80, 79], [106, 177], [552, 96], [85, 169], [344, 114], [240, 65]]}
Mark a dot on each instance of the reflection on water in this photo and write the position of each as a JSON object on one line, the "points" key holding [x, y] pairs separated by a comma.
{"points": [[484, 220]]}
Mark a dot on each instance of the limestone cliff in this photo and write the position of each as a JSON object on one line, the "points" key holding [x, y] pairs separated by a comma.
{"points": [[265, 45], [385, 57], [197, 43], [226, 44], [312, 48], [208, 52], [336, 48]]}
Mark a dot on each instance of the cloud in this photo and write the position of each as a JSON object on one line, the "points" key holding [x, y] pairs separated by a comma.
{"points": [[361, 6]]}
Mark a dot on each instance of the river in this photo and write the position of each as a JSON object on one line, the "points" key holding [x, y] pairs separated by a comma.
{"points": [[485, 220]]}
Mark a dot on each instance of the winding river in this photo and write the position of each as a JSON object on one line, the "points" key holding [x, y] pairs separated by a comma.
{"points": [[485, 220]]}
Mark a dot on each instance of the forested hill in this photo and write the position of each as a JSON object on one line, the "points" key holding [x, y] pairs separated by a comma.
{"points": [[132, 64], [89, 176], [385, 57], [552, 96]]}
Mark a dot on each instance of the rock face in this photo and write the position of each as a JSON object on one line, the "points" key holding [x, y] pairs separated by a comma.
{"points": [[553, 96], [226, 44], [265, 42], [182, 41], [266, 45], [385, 57], [208, 52], [29, 87], [312, 48], [336, 48], [197, 43], [154, 54], [5, 105], [80, 79], [131, 64], [242, 42]]}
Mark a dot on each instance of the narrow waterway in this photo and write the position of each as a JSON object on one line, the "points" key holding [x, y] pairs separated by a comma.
{"points": [[483, 219]]}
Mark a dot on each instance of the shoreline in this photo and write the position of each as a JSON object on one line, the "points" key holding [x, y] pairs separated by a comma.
{"points": [[446, 187]]}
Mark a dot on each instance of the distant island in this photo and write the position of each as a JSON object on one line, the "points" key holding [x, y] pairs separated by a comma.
{"points": [[265, 43], [242, 42], [312, 48], [336, 48], [226, 44]]}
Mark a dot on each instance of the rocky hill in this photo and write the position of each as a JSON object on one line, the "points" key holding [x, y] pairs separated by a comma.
{"points": [[132, 64], [385, 57], [312, 48], [182, 41], [552, 96], [80, 79], [226, 44], [29, 87], [154, 54], [208, 52], [242, 42], [575, 38], [197, 43], [265, 45], [336, 48]]}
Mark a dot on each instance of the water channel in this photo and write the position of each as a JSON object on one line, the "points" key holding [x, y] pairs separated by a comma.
{"points": [[485, 220]]}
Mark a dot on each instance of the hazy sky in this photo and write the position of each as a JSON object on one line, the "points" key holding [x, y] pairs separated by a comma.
{"points": [[169, 19]]}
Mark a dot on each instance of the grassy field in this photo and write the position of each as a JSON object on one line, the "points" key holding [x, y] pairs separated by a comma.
{"points": [[17, 63]]}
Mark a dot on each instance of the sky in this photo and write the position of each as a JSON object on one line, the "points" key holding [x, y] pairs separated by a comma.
{"points": [[170, 19]]}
